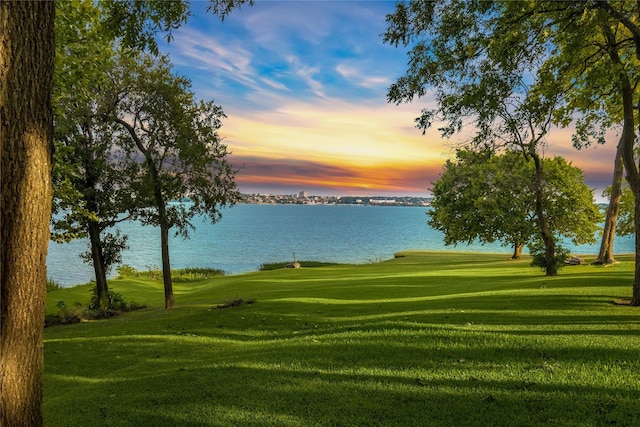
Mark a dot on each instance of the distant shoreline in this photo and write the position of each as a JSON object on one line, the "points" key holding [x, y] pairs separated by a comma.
{"points": [[304, 199]]}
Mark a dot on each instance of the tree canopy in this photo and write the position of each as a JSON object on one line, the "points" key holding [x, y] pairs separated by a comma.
{"points": [[488, 197]]}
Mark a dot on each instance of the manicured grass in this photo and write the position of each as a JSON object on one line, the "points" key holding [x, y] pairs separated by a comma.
{"points": [[425, 339]]}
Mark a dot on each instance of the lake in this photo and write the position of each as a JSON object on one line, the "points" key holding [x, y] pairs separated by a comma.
{"points": [[249, 235]]}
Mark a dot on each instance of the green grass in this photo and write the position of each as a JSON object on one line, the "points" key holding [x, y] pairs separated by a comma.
{"points": [[426, 339]]}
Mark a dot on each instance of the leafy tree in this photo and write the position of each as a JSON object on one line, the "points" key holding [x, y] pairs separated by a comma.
{"points": [[491, 197], [479, 68], [172, 138], [481, 196], [90, 188], [26, 146]]}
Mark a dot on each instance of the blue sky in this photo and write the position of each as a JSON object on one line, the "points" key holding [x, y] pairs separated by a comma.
{"points": [[304, 83]]}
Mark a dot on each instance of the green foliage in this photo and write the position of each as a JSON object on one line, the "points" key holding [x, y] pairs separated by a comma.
{"points": [[193, 274], [178, 275], [161, 129], [428, 338], [487, 197], [539, 257], [115, 303], [52, 285], [126, 271]]}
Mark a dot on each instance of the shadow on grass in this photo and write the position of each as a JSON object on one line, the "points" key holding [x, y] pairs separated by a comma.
{"points": [[378, 347], [345, 378]]}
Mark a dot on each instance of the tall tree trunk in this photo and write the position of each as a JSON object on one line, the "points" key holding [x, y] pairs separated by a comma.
{"points": [[545, 232], [164, 242], [27, 54], [162, 213], [90, 193], [605, 256], [627, 140], [102, 288]]}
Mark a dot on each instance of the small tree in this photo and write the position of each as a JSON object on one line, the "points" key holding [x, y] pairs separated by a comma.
{"points": [[173, 140]]}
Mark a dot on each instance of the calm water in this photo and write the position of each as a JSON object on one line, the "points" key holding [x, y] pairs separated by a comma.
{"points": [[249, 235]]}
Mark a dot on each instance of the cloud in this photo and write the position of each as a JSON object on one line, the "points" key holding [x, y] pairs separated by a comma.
{"points": [[304, 87], [258, 173]]}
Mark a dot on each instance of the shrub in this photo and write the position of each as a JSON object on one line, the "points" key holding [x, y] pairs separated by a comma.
{"points": [[189, 274], [537, 252], [52, 285]]}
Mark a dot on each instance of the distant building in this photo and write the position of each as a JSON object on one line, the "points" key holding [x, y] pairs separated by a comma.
{"points": [[303, 194]]}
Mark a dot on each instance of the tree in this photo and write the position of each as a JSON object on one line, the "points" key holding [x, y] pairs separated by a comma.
{"points": [[90, 191], [626, 221], [173, 139], [480, 69], [596, 51], [481, 196], [26, 72], [491, 197], [605, 255], [26, 134]]}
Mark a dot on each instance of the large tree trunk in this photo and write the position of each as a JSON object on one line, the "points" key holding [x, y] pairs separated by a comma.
{"points": [[26, 139], [627, 142], [545, 232], [102, 288], [517, 250], [605, 256]]}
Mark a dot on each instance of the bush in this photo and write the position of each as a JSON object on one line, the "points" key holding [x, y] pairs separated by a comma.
{"points": [[539, 258], [189, 274], [125, 271], [52, 285], [179, 275]]}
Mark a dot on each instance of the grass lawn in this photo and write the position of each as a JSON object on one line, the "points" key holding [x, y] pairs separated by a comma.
{"points": [[442, 339]]}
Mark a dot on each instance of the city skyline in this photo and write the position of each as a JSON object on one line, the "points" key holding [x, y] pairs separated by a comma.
{"points": [[303, 85]]}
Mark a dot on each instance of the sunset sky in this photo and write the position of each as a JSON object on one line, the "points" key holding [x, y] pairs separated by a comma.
{"points": [[304, 84]]}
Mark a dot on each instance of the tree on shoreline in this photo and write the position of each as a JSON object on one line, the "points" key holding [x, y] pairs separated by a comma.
{"points": [[90, 189], [585, 54], [486, 196], [473, 81], [171, 144]]}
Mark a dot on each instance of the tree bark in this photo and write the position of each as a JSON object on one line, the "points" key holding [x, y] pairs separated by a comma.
{"points": [[605, 256], [27, 54], [94, 229], [517, 250], [545, 232], [164, 242], [627, 143], [166, 263], [102, 288]]}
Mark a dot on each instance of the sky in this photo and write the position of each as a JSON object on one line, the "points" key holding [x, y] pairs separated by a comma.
{"points": [[304, 84]]}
